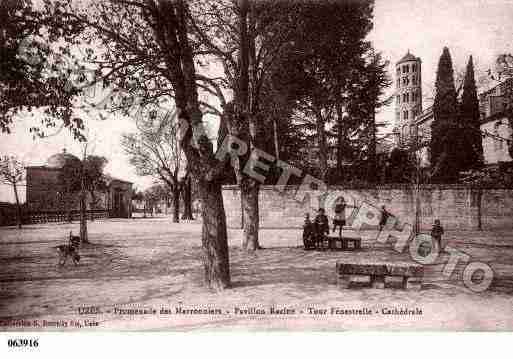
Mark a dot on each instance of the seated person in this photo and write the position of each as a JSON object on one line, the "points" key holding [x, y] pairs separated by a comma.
{"points": [[321, 224], [308, 232]]}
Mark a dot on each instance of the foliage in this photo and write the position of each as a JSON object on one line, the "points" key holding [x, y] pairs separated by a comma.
{"points": [[443, 147], [155, 150], [89, 174], [471, 155], [400, 167], [35, 70], [155, 194], [12, 170]]}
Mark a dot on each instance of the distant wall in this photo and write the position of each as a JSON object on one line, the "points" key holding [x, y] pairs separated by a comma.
{"points": [[455, 206]]}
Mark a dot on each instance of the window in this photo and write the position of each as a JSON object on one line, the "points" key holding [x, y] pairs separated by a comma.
{"points": [[405, 115], [398, 83], [498, 145], [414, 79], [413, 114], [398, 99], [406, 81], [405, 132], [406, 69], [414, 68]]}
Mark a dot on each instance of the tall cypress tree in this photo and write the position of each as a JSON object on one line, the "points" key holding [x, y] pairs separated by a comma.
{"points": [[443, 147], [471, 142]]}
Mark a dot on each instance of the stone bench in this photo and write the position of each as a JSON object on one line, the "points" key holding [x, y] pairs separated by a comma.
{"points": [[342, 243], [380, 275]]}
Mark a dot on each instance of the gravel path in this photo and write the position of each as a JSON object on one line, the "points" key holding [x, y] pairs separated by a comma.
{"points": [[153, 265]]}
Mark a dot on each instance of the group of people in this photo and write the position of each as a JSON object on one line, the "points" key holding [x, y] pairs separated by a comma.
{"points": [[314, 232]]}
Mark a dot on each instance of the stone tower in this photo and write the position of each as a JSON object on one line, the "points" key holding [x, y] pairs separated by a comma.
{"points": [[408, 99]]}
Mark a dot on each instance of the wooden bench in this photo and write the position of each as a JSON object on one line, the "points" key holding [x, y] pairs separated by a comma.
{"points": [[380, 275]]}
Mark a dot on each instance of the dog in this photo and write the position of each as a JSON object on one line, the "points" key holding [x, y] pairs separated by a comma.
{"points": [[69, 250]]}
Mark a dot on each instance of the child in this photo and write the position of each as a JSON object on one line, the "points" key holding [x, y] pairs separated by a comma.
{"points": [[384, 217], [321, 223], [339, 220], [436, 233], [307, 231]]}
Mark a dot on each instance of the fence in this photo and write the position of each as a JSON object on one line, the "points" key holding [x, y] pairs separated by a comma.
{"points": [[8, 218]]}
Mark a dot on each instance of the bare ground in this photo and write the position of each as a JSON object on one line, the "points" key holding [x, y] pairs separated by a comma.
{"points": [[153, 264]]}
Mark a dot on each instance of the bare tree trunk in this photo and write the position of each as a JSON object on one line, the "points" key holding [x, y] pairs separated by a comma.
{"points": [[323, 150], [83, 219], [18, 206], [176, 204], [187, 199], [172, 35], [214, 236], [250, 212], [340, 140], [247, 100], [276, 143], [372, 173], [479, 209]]}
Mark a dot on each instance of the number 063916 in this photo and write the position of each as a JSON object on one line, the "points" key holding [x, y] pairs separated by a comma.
{"points": [[22, 343]]}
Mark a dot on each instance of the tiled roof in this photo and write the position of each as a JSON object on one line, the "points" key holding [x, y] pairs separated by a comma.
{"points": [[408, 57]]}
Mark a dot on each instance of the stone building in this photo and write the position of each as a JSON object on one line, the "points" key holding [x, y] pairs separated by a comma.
{"points": [[413, 124], [408, 101], [494, 124], [45, 193]]}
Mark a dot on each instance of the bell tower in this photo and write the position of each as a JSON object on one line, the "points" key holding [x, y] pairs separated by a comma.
{"points": [[408, 99]]}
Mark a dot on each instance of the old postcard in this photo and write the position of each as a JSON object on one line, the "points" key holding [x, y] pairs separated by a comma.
{"points": [[293, 165]]}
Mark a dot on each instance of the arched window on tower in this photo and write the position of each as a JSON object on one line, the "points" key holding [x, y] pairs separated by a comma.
{"points": [[405, 115], [404, 132]]}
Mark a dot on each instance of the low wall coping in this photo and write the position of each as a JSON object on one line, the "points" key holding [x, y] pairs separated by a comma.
{"points": [[399, 186]]}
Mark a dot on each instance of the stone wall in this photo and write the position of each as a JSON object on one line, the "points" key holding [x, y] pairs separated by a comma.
{"points": [[455, 206]]}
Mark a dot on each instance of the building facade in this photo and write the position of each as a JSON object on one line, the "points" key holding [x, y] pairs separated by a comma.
{"points": [[408, 98], [46, 193], [413, 124], [497, 131]]}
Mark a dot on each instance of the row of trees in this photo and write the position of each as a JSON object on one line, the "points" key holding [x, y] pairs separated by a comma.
{"points": [[155, 151], [292, 74], [456, 139]]}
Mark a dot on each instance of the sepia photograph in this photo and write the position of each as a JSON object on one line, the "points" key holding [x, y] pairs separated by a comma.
{"points": [[255, 165]]}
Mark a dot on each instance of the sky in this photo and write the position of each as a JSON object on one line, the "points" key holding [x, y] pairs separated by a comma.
{"points": [[482, 28]]}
